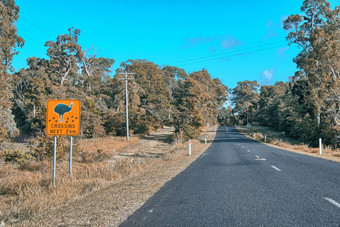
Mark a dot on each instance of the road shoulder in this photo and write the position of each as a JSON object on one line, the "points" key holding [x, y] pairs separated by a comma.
{"points": [[114, 204]]}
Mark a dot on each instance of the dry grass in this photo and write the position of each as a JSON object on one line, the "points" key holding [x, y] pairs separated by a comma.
{"points": [[26, 191], [278, 139], [111, 205], [106, 144]]}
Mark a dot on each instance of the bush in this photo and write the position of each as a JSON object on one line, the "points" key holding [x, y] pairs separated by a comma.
{"points": [[42, 147], [16, 156]]}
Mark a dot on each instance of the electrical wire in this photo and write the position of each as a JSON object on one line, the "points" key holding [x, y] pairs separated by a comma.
{"points": [[228, 52], [227, 55]]}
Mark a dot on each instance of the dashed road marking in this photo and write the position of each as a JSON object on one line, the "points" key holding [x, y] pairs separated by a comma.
{"points": [[259, 159], [335, 203], [248, 150], [274, 167]]}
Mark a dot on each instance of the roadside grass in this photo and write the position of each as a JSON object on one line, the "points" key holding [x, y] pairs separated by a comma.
{"points": [[26, 190], [279, 139]]}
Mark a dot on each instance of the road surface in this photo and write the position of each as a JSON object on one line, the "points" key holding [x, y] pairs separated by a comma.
{"points": [[241, 182]]}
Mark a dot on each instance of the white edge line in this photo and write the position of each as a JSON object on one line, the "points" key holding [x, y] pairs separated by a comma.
{"points": [[276, 168], [332, 201]]}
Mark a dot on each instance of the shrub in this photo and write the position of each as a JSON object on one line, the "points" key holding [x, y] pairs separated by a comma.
{"points": [[16, 156], [42, 147]]}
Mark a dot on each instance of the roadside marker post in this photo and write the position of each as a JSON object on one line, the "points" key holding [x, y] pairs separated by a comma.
{"points": [[189, 147], [62, 119], [205, 140], [320, 145], [265, 138]]}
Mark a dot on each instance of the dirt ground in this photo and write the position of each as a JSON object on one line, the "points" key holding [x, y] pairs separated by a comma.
{"points": [[111, 205]]}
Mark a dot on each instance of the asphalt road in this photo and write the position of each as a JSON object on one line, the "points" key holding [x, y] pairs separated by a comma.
{"points": [[240, 182]]}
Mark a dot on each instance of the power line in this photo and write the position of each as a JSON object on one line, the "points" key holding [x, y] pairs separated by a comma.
{"points": [[228, 52], [233, 55], [41, 29]]}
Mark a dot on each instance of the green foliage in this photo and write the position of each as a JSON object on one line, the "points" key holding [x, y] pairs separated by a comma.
{"points": [[245, 98], [16, 156], [42, 147], [316, 85], [10, 42], [226, 116], [157, 95]]}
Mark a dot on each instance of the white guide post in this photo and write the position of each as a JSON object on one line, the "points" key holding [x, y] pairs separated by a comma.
{"points": [[320, 145]]}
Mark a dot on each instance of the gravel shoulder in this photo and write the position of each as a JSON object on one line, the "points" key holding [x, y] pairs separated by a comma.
{"points": [[112, 205]]}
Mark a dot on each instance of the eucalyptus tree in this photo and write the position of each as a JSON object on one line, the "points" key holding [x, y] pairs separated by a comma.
{"points": [[245, 98], [317, 32], [10, 42]]}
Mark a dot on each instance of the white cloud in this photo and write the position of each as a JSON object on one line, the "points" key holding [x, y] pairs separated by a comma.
{"points": [[229, 41], [267, 74], [266, 77], [281, 52], [226, 41]]}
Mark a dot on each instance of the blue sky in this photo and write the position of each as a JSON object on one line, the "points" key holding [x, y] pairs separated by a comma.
{"points": [[233, 40]]}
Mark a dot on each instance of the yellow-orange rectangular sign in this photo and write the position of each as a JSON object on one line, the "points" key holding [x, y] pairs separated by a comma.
{"points": [[63, 117]]}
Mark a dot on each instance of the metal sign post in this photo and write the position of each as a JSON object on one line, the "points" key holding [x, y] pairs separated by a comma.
{"points": [[70, 165], [62, 119], [54, 158]]}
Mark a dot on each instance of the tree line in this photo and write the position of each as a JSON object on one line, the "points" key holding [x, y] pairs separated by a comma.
{"points": [[308, 106], [158, 95]]}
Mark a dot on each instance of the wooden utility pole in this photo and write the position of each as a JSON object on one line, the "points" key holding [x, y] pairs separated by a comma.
{"points": [[126, 100]]}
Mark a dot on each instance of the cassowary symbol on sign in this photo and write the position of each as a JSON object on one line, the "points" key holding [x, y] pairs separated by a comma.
{"points": [[61, 109]]}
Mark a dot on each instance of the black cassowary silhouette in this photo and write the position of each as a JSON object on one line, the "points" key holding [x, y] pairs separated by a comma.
{"points": [[61, 109]]}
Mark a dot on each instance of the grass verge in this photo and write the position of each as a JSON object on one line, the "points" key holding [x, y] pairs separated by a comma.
{"points": [[29, 199], [279, 139]]}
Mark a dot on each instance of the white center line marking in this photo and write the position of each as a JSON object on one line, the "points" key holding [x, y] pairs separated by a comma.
{"points": [[248, 150], [276, 168], [257, 156], [242, 146], [332, 201]]}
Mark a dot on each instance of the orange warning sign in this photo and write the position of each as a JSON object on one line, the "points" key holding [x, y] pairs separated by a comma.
{"points": [[63, 117]]}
